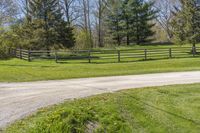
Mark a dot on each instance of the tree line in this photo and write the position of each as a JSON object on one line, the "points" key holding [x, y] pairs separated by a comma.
{"points": [[85, 24]]}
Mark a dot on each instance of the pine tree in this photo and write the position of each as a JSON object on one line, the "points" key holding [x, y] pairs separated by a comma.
{"points": [[115, 24], [47, 15], [141, 18], [66, 37], [133, 20]]}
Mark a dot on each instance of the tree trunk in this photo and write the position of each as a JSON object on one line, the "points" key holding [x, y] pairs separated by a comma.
{"points": [[100, 24], [85, 15], [127, 33], [67, 11], [89, 24], [194, 49], [118, 40]]}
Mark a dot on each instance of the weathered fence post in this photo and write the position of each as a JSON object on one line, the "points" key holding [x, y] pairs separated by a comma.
{"points": [[119, 56], [145, 54], [9, 52], [29, 55], [20, 53], [170, 52], [193, 51], [15, 52], [56, 56], [89, 56]]}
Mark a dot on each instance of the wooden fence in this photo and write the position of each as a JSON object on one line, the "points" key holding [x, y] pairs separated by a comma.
{"points": [[107, 55]]}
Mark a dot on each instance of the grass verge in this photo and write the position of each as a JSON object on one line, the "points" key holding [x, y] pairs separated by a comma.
{"points": [[16, 70]]}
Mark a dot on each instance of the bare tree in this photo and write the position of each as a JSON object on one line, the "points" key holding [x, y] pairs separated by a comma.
{"points": [[71, 10], [85, 15], [23, 5], [8, 11], [84, 21], [165, 15], [89, 21], [101, 6]]}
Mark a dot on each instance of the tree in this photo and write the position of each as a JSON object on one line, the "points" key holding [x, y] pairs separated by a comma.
{"points": [[114, 22], [187, 23], [126, 14], [141, 20], [8, 15], [165, 15], [69, 7], [101, 6], [134, 19], [65, 35], [47, 19], [8, 11]]}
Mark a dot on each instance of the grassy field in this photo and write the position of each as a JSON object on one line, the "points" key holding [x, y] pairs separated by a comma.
{"points": [[168, 109], [147, 46], [15, 70]]}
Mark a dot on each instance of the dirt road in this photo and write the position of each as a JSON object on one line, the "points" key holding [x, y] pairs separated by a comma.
{"points": [[18, 100]]}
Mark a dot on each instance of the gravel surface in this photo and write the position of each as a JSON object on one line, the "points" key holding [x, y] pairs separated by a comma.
{"points": [[18, 100]]}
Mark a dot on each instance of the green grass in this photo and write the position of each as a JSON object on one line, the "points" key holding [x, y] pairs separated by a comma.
{"points": [[167, 109], [150, 46], [15, 70]]}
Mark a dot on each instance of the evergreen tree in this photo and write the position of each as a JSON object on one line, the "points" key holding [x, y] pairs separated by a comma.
{"points": [[141, 18], [134, 19], [126, 19], [66, 37], [114, 23], [47, 18]]}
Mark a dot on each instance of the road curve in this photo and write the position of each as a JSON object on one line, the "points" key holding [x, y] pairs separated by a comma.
{"points": [[18, 100]]}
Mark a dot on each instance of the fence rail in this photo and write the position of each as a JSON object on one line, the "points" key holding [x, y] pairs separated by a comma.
{"points": [[107, 55]]}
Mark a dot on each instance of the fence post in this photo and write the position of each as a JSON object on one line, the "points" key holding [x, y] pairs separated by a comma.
{"points": [[15, 52], [119, 56], [56, 56], [9, 52], [145, 54], [29, 56], [170, 53], [89, 56], [193, 51], [20, 53]]}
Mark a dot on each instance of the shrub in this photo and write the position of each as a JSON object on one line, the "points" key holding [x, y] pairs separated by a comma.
{"points": [[6, 41], [4, 54]]}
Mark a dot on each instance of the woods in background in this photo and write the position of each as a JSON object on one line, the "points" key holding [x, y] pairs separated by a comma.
{"points": [[86, 24]]}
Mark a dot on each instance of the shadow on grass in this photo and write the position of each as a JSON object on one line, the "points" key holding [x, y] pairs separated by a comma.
{"points": [[158, 44], [68, 62], [122, 61], [9, 65]]}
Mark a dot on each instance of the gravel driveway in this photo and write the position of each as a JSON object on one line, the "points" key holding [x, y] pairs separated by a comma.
{"points": [[18, 100]]}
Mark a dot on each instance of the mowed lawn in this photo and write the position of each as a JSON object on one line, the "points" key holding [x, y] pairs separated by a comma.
{"points": [[15, 70], [167, 109]]}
